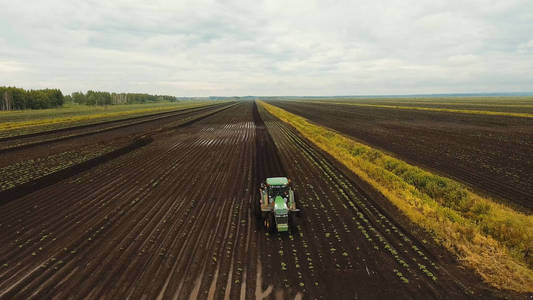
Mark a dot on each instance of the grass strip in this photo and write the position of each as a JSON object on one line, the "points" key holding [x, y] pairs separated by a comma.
{"points": [[489, 237], [462, 111]]}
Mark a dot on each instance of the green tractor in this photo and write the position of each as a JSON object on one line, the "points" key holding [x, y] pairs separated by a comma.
{"points": [[277, 204]]}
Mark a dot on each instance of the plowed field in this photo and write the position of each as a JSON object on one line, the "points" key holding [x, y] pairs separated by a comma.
{"points": [[173, 220], [490, 153]]}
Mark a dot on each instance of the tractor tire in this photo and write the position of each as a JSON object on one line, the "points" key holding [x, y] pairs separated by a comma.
{"points": [[255, 208], [258, 210], [270, 223], [273, 222], [258, 218]]}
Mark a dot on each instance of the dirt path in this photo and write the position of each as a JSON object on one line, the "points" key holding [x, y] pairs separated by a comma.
{"points": [[172, 220]]}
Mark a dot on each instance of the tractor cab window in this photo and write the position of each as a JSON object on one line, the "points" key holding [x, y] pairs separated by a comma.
{"points": [[275, 191]]}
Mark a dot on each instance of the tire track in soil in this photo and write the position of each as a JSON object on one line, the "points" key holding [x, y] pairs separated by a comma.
{"points": [[267, 163]]}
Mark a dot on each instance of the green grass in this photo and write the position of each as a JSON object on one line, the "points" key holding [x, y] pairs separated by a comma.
{"points": [[489, 237]]}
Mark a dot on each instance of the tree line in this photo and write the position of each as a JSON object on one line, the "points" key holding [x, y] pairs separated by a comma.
{"points": [[12, 98], [106, 98]]}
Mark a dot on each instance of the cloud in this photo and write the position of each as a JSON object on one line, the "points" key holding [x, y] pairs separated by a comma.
{"points": [[207, 47], [11, 67]]}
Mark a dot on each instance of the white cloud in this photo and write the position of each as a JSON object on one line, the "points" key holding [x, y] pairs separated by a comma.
{"points": [[11, 67], [526, 47], [463, 59], [266, 47]]}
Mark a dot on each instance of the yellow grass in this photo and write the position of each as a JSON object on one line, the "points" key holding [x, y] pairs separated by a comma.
{"points": [[491, 238], [462, 111], [98, 114]]}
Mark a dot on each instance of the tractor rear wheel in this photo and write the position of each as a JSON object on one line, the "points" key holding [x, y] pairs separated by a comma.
{"points": [[257, 206], [270, 224]]}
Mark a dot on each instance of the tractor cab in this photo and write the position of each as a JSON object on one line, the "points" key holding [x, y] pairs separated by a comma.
{"points": [[277, 187], [277, 203]]}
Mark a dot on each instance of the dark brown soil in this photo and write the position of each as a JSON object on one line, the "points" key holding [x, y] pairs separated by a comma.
{"points": [[482, 104], [107, 130], [173, 219], [114, 134], [490, 153]]}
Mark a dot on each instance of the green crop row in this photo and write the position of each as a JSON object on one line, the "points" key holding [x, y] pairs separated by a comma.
{"points": [[359, 204], [28, 170]]}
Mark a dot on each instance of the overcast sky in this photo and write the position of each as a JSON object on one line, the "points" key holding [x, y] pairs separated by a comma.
{"points": [[201, 48]]}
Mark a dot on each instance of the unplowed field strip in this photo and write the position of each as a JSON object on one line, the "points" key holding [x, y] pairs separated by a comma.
{"points": [[173, 220], [490, 153]]}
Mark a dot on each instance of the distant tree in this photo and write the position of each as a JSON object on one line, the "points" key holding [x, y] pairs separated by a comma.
{"points": [[105, 98], [79, 97], [12, 98], [67, 99]]}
